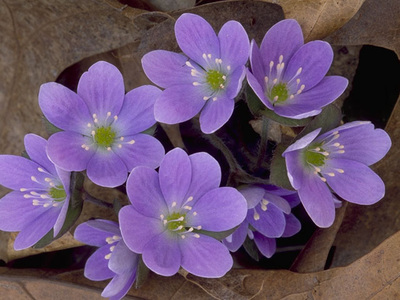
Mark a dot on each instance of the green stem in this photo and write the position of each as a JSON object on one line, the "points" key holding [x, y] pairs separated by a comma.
{"points": [[263, 142], [89, 198]]}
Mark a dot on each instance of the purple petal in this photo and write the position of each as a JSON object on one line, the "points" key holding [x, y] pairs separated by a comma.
{"points": [[122, 259], [17, 211], [284, 38], [144, 192], [235, 82], [205, 257], [206, 175], [35, 146], [310, 102], [65, 178], [234, 44], [267, 246], [145, 151], [258, 90], [61, 217], [33, 231], [357, 184], [253, 195], [256, 62], [175, 176], [102, 89], [162, 254], [303, 142], [295, 169], [119, 286], [178, 104], [96, 267], [63, 108], [279, 202], [293, 226], [317, 201], [105, 168], [166, 68], [95, 232], [270, 223], [216, 113], [237, 238], [315, 59], [196, 37], [16, 172], [137, 112], [65, 150], [363, 143], [137, 230], [218, 210]]}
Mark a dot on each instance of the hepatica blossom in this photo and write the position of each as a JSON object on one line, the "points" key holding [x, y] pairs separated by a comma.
{"points": [[171, 208], [337, 160], [268, 217], [113, 259], [207, 78], [102, 126], [40, 197], [289, 76]]}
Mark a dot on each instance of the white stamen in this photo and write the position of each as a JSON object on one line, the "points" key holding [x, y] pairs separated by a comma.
{"points": [[280, 58], [108, 256], [89, 125], [198, 227], [228, 68], [23, 189], [223, 77], [323, 179], [189, 64], [131, 142], [46, 205], [119, 146], [205, 98], [162, 217], [121, 138], [331, 174], [173, 204], [214, 99], [108, 113], [204, 56], [336, 144], [189, 199], [196, 235], [340, 151], [209, 56], [187, 207], [115, 118], [221, 86], [112, 248], [196, 83], [194, 213], [341, 171], [256, 216]]}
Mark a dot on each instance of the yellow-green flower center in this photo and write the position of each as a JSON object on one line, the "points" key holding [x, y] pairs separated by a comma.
{"points": [[315, 158], [279, 93], [176, 222], [215, 79], [58, 193], [104, 136]]}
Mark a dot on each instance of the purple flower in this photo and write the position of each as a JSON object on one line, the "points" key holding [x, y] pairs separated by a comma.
{"points": [[40, 197], [268, 218], [337, 160], [207, 79], [289, 76], [101, 125], [170, 209], [113, 259]]}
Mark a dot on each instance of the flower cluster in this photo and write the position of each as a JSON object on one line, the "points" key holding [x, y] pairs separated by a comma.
{"points": [[179, 216]]}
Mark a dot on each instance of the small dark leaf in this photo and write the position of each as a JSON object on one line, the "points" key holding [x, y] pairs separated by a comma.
{"points": [[74, 210], [220, 235], [251, 248], [50, 128], [328, 119], [278, 175], [257, 108], [142, 273], [117, 205]]}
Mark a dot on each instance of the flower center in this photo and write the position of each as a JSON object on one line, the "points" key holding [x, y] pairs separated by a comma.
{"points": [[315, 158], [215, 79], [104, 136], [175, 222], [57, 193], [279, 92]]}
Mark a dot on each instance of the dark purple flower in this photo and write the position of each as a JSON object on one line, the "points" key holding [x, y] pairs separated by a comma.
{"points": [[337, 160], [101, 125], [268, 217], [289, 76], [170, 208], [40, 197], [207, 78], [113, 259]]}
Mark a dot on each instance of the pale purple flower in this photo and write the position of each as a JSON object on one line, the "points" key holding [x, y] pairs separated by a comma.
{"points": [[40, 197], [289, 76], [113, 259], [102, 126], [207, 78], [337, 160], [170, 208], [268, 217]]}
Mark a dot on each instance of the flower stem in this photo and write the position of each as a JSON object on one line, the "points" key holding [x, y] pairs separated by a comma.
{"points": [[263, 142], [89, 198]]}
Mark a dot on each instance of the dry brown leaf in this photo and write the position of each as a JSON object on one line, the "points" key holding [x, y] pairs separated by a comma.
{"points": [[376, 23], [171, 4], [319, 18]]}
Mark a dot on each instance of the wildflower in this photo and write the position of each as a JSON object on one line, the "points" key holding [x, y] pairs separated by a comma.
{"points": [[170, 209], [289, 76], [40, 197], [113, 259], [337, 160], [268, 217], [207, 78], [101, 125]]}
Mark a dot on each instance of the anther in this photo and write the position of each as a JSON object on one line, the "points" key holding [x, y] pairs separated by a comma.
{"points": [[280, 58], [198, 227], [108, 113], [263, 207], [121, 138], [223, 77], [108, 256], [89, 125], [108, 148], [340, 151], [33, 178], [162, 217], [119, 146], [189, 64], [47, 179], [266, 79], [205, 98], [204, 56], [196, 83], [189, 199], [187, 207], [41, 170], [341, 171], [173, 204], [112, 248], [323, 179], [331, 174], [221, 86], [336, 144], [209, 56], [23, 189], [115, 118], [194, 213], [256, 216], [228, 68], [196, 235], [214, 99], [131, 142]]}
